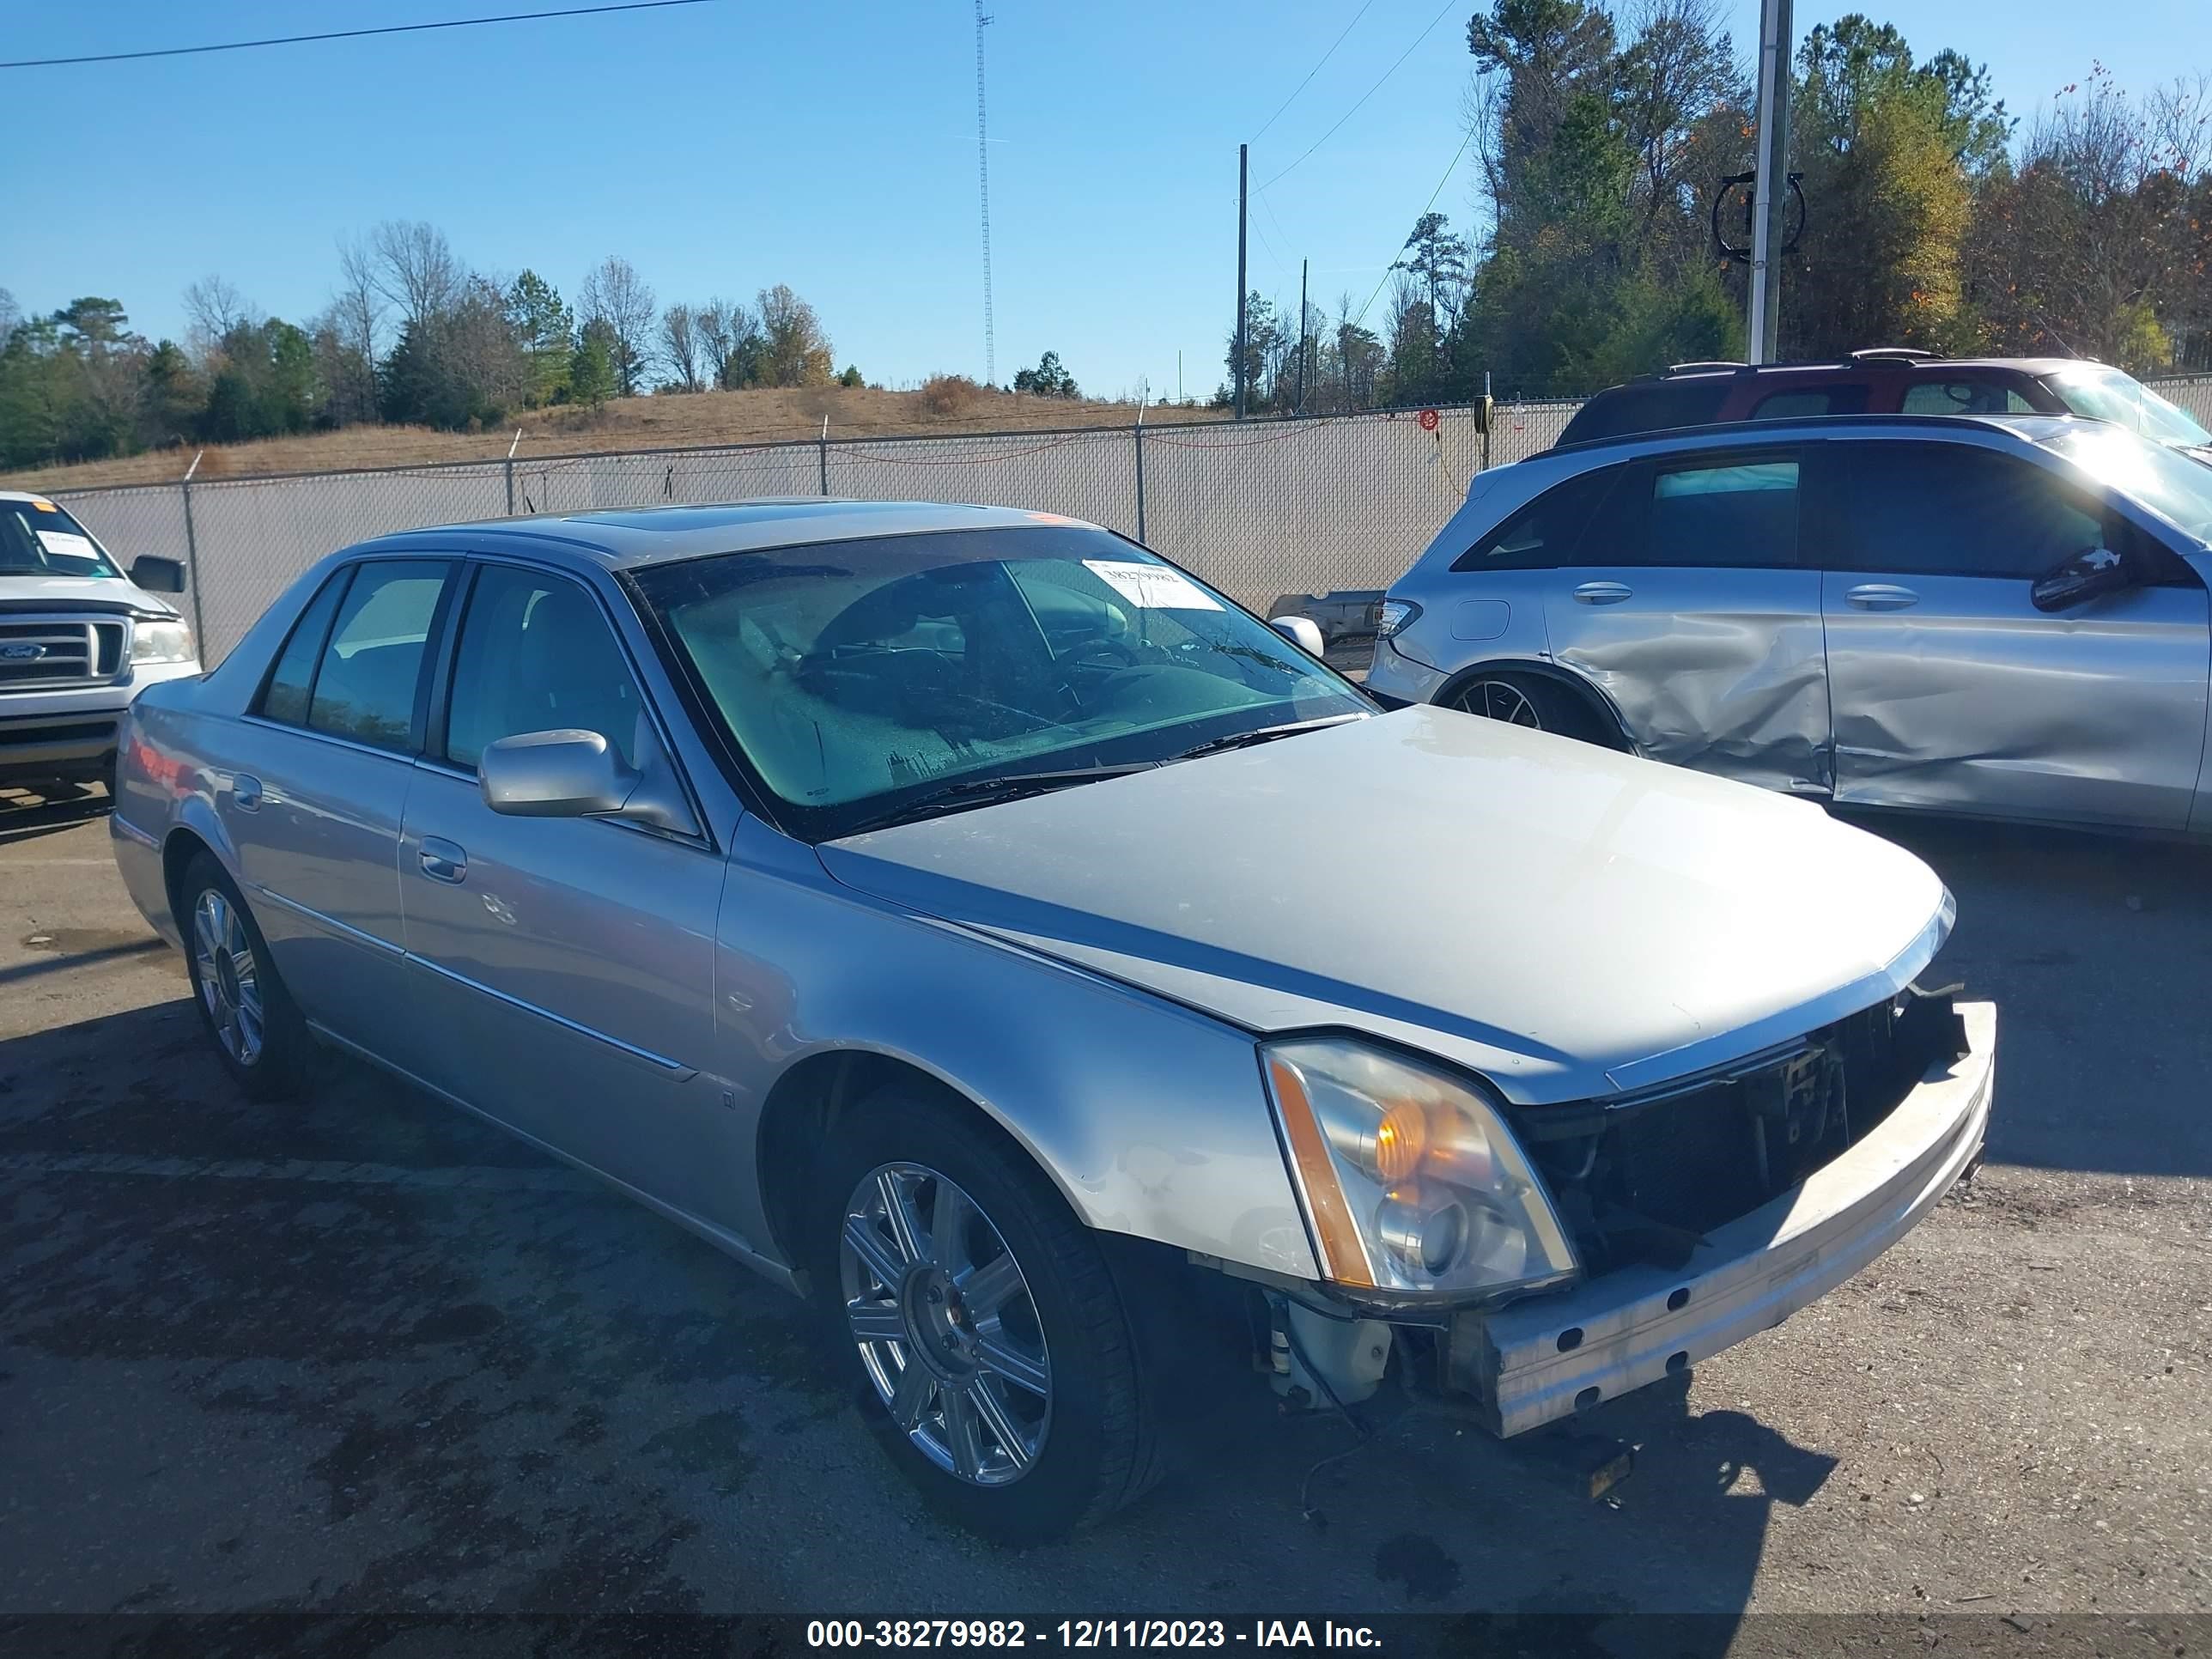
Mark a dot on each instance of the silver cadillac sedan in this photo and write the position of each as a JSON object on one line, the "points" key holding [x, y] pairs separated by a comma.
{"points": [[2003, 618], [986, 931]]}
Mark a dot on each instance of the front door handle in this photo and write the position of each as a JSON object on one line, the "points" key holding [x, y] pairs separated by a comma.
{"points": [[1603, 593], [246, 792], [1882, 596], [443, 862]]}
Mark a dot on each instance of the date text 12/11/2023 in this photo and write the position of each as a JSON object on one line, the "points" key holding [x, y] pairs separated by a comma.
{"points": [[1080, 1633]]}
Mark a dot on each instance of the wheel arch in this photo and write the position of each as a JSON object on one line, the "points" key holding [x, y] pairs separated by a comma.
{"points": [[804, 1106], [1593, 696]]}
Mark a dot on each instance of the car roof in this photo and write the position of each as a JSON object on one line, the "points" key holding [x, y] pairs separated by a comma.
{"points": [[1721, 435], [1871, 363], [626, 537]]}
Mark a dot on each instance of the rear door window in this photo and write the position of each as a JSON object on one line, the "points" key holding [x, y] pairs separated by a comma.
{"points": [[1941, 509], [369, 684], [1811, 402], [1720, 509], [1962, 398]]}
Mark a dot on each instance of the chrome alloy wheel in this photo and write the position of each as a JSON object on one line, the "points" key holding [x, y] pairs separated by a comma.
{"points": [[222, 959], [946, 1324], [1499, 699]]}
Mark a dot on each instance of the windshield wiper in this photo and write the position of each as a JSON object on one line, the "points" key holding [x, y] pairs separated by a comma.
{"points": [[983, 792], [1263, 734]]}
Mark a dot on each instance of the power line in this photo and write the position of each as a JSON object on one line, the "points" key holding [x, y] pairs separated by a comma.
{"points": [[1425, 206], [348, 34], [1365, 96], [1314, 70]]}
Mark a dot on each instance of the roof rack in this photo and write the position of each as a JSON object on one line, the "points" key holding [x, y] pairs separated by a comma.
{"points": [[1693, 368], [1894, 355]]}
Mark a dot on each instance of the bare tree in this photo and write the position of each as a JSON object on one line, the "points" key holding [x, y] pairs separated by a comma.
{"points": [[11, 315], [614, 294], [413, 267], [214, 307], [680, 344], [730, 341]]}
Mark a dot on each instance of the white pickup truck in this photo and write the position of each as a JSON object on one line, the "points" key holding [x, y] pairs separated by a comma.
{"points": [[78, 640]]}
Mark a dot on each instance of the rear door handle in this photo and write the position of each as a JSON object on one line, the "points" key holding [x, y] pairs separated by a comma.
{"points": [[1882, 596], [1603, 593], [246, 792], [443, 862]]}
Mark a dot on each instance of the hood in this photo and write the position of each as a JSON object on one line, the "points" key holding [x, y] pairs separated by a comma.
{"points": [[1566, 920], [112, 594]]}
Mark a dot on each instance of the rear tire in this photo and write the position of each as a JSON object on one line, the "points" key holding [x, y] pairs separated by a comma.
{"points": [[1536, 703], [259, 1033], [1008, 1329]]}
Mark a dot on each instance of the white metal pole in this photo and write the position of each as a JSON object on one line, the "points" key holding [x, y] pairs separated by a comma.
{"points": [[1770, 201]]}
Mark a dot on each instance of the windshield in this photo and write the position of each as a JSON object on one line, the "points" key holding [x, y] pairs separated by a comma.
{"points": [[37, 538], [2107, 394], [2170, 484], [858, 676]]}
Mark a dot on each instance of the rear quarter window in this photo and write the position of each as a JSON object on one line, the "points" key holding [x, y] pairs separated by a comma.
{"points": [[1652, 408]]}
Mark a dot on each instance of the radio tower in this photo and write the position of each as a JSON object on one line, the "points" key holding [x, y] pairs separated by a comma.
{"points": [[983, 179]]}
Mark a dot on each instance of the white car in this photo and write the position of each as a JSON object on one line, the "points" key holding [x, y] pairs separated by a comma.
{"points": [[78, 640]]}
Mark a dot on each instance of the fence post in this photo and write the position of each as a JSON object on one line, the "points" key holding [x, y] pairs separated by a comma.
{"points": [[1140, 472], [192, 558], [511, 448], [824, 450]]}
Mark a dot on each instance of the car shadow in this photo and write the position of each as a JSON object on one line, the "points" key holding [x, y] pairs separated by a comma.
{"points": [[468, 1375], [2093, 948], [29, 811]]}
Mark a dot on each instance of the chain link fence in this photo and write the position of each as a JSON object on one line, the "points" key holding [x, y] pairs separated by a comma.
{"points": [[1260, 509]]}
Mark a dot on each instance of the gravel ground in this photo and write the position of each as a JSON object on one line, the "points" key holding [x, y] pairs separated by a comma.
{"points": [[365, 1354]]}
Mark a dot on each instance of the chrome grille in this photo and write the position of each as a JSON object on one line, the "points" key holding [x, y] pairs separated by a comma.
{"points": [[41, 654]]}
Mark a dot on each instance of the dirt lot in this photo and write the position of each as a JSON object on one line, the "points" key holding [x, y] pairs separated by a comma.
{"points": [[366, 1354], [627, 423]]}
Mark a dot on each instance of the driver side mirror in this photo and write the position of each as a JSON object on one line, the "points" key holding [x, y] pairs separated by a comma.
{"points": [[2089, 575], [555, 774], [151, 574], [1304, 632]]}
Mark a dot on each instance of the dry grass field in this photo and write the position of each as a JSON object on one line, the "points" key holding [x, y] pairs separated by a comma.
{"points": [[664, 422]]}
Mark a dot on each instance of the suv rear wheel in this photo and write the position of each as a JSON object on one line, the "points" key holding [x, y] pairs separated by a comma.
{"points": [[1530, 701]]}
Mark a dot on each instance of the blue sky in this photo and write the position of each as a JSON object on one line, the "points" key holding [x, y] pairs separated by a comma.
{"points": [[724, 146]]}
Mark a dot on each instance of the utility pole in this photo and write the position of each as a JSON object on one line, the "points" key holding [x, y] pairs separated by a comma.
{"points": [[983, 181], [1772, 191], [1242, 156], [1302, 336]]}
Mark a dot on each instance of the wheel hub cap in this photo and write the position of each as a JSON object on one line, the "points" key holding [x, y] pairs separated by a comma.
{"points": [[945, 1325], [229, 980]]}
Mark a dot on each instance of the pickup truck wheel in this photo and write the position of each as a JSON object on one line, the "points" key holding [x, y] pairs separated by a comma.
{"points": [[259, 1033], [982, 1322]]}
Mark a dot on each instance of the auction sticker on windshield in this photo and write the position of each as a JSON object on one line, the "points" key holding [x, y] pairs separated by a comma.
{"points": [[1153, 586], [62, 545]]}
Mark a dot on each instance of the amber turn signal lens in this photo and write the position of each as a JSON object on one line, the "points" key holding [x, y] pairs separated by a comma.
{"points": [[1401, 1140], [1344, 1258]]}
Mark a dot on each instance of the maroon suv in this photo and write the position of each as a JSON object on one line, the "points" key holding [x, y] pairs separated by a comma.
{"points": [[1892, 381]]}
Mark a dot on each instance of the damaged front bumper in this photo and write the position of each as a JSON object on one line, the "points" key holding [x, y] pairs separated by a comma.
{"points": [[1552, 1356]]}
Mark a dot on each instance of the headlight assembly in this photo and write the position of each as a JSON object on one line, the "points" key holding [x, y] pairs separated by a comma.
{"points": [[160, 642], [1411, 1179]]}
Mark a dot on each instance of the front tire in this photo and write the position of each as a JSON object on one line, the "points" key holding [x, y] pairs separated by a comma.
{"points": [[259, 1033], [982, 1321]]}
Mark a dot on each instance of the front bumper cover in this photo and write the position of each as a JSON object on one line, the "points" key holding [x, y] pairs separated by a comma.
{"points": [[1550, 1356]]}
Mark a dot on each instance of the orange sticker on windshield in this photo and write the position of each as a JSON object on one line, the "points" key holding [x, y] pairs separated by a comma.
{"points": [[44, 506]]}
